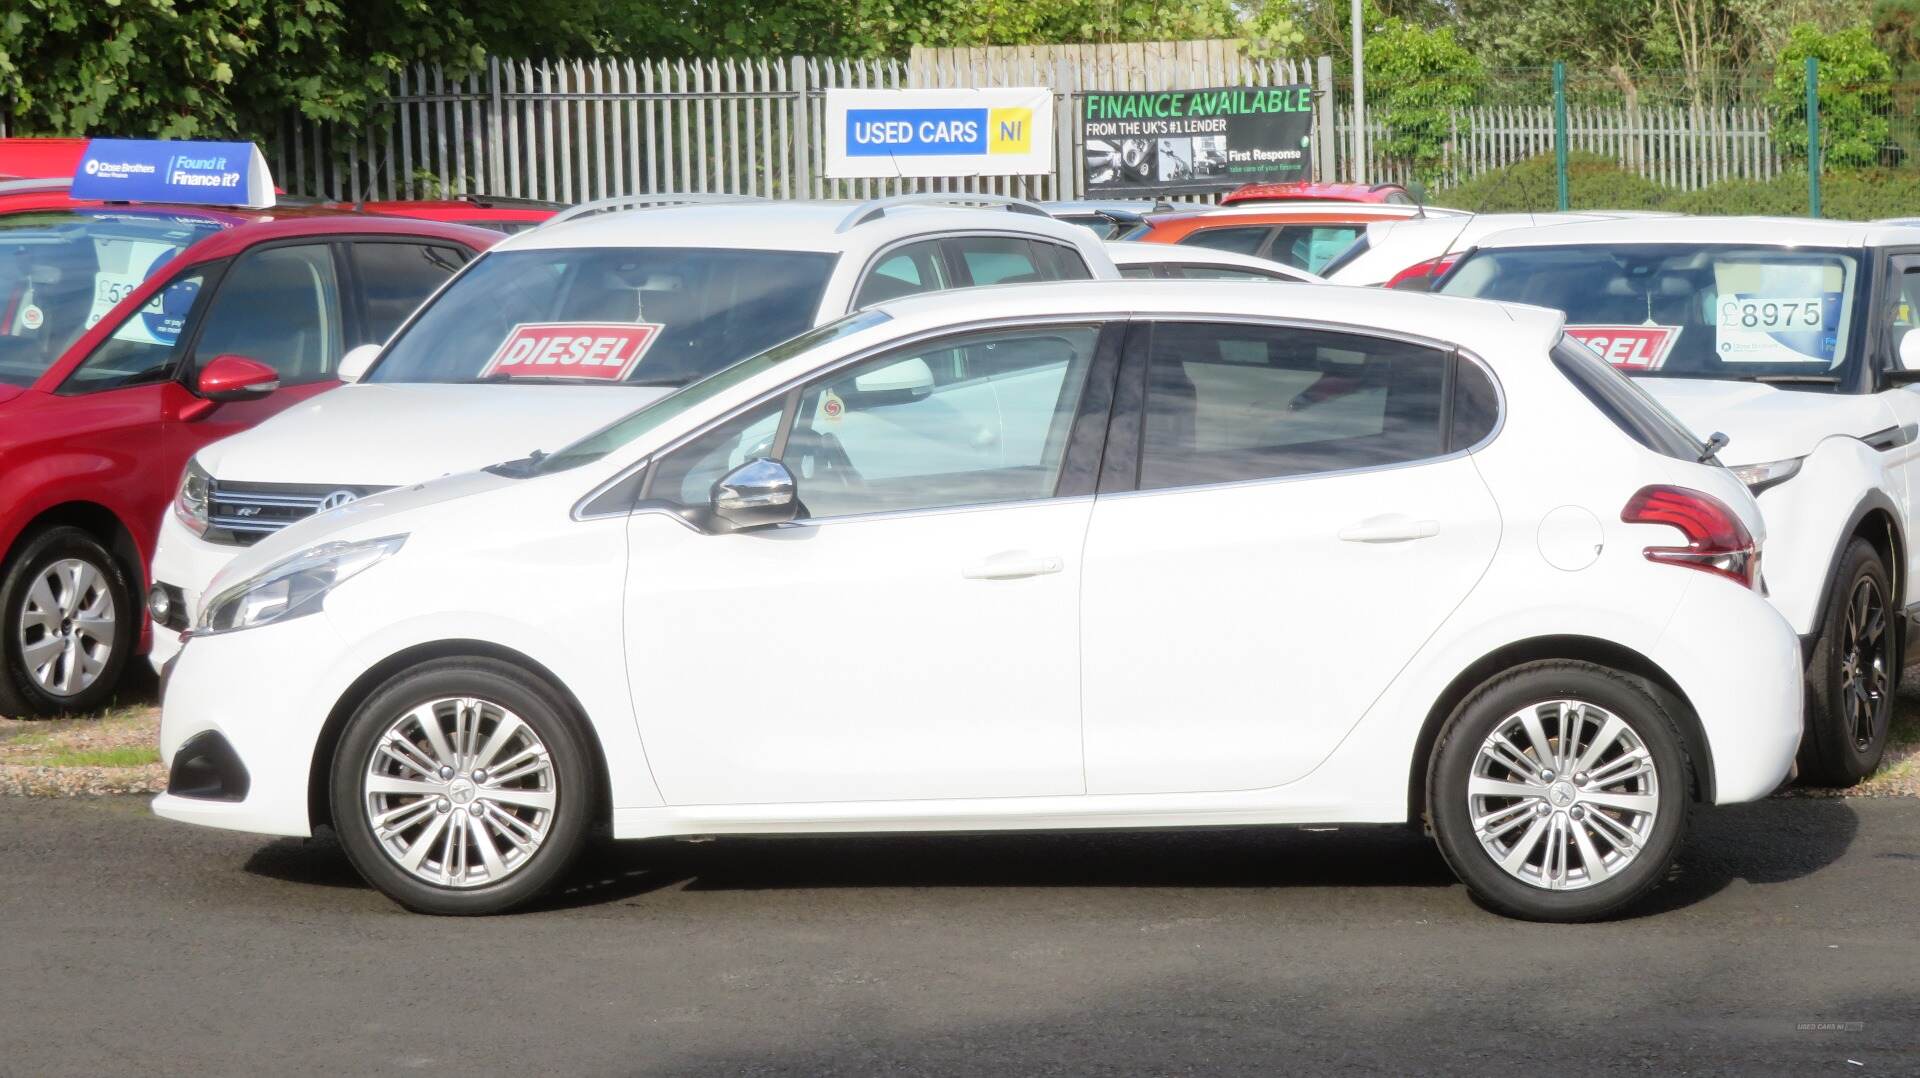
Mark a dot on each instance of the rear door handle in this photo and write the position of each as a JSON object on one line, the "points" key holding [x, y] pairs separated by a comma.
{"points": [[1011, 566], [1390, 528]]}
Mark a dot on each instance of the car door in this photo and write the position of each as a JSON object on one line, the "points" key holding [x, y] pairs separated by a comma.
{"points": [[1897, 313], [1298, 519], [281, 304], [914, 634]]}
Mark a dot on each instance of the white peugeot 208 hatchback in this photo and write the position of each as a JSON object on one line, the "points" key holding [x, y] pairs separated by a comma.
{"points": [[1115, 555]]}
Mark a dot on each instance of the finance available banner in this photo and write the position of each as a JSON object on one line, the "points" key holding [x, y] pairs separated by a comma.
{"points": [[1172, 141], [983, 132]]}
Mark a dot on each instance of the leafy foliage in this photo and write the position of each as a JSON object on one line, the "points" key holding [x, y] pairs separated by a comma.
{"points": [[1853, 95], [1418, 78], [1595, 182]]}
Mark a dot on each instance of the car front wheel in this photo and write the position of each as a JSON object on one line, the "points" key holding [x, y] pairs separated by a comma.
{"points": [[1850, 676], [1558, 791], [68, 625], [462, 787]]}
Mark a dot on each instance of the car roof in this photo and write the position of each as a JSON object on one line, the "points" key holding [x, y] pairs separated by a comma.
{"points": [[1749, 231], [1139, 253], [1484, 327], [1308, 212], [240, 229], [823, 225]]}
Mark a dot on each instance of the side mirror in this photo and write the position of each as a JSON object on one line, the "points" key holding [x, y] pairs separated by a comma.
{"points": [[236, 378], [754, 495], [353, 366], [908, 375], [1909, 354]]}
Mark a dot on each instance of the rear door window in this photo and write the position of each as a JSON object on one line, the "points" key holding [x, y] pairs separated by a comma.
{"points": [[904, 271], [1313, 247], [395, 278], [1244, 240], [986, 260]]}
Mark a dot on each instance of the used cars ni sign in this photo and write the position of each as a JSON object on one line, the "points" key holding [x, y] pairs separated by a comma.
{"points": [[1105, 555]]}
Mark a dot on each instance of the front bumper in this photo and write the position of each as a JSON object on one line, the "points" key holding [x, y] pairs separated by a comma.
{"points": [[263, 694], [189, 563]]}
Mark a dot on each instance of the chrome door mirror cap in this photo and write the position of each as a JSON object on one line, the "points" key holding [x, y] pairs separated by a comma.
{"points": [[756, 494]]}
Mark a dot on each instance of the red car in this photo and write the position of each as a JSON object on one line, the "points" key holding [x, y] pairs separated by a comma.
{"points": [[33, 158], [130, 337], [1391, 194]]}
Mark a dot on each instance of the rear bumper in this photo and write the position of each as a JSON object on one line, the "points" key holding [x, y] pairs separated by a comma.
{"points": [[1738, 662]]}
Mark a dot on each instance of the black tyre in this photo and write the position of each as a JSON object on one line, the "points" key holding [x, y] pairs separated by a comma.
{"points": [[68, 625], [1560, 791], [1850, 675], [462, 787]]}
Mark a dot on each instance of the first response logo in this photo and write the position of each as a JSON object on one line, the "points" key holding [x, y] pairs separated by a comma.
{"points": [[938, 132]]}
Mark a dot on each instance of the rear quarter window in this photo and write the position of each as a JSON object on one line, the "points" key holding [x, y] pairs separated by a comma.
{"points": [[1638, 415]]}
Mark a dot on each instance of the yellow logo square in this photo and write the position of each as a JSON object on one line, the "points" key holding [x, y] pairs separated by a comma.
{"points": [[1009, 130]]}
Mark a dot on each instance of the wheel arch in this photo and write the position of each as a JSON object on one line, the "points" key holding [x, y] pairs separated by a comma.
{"points": [[319, 809], [96, 520], [1568, 647], [1876, 520]]}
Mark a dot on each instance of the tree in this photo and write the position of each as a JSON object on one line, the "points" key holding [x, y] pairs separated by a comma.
{"points": [[1854, 95], [1419, 80]]}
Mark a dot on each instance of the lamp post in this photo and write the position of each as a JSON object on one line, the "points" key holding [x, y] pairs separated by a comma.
{"points": [[1359, 101]]}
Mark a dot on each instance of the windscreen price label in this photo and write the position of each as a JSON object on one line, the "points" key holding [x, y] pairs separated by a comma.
{"points": [[1782, 315], [590, 351], [1633, 348]]}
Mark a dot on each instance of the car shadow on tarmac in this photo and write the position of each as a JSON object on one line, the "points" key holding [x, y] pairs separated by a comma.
{"points": [[1767, 842]]}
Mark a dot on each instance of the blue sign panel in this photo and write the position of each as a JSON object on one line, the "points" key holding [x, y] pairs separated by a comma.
{"points": [[916, 132], [194, 173]]}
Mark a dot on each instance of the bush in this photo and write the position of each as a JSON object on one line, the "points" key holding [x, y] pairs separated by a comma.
{"points": [[1854, 92], [1593, 183], [1596, 183], [1421, 82]]}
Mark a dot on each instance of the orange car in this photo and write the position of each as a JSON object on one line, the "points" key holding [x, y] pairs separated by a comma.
{"points": [[1304, 235]]}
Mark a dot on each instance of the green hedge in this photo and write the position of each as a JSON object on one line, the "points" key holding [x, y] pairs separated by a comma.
{"points": [[1596, 183]]}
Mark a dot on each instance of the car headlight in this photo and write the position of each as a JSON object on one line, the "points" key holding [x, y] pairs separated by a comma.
{"points": [[292, 587], [1759, 477], [190, 501]]}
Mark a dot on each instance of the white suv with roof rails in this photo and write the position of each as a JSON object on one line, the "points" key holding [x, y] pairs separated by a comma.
{"points": [[1790, 337], [561, 329]]}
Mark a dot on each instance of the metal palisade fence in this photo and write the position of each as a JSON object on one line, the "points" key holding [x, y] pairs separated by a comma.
{"points": [[1679, 146], [584, 129]]}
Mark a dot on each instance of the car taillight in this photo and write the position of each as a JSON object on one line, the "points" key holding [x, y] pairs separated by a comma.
{"points": [[1422, 275], [1717, 542]]}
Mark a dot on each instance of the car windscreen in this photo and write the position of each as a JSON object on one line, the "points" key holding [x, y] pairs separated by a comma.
{"points": [[1723, 311], [632, 315], [61, 272]]}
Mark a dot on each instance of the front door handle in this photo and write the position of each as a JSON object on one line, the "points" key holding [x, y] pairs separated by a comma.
{"points": [[1390, 528], [1012, 565]]}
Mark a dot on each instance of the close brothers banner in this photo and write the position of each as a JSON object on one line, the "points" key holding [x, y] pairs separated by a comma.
{"points": [[979, 132], [1178, 141]]}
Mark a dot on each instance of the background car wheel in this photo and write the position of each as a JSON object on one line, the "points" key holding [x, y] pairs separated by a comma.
{"points": [[68, 625], [462, 787], [1850, 676], [1559, 791]]}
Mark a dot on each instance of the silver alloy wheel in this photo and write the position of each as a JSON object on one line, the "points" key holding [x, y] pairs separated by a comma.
{"points": [[1564, 794], [460, 792], [67, 625]]}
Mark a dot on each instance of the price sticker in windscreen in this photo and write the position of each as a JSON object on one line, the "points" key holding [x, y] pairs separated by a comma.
{"points": [[1777, 329]]}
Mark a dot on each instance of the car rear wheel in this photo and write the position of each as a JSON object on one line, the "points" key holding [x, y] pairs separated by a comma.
{"points": [[1558, 791], [1850, 676], [68, 625], [462, 787]]}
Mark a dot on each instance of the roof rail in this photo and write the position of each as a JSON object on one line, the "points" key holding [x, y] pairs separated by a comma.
{"points": [[874, 209], [657, 201]]}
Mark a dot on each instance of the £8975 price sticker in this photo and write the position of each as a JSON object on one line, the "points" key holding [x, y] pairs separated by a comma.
{"points": [[1773, 315]]}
